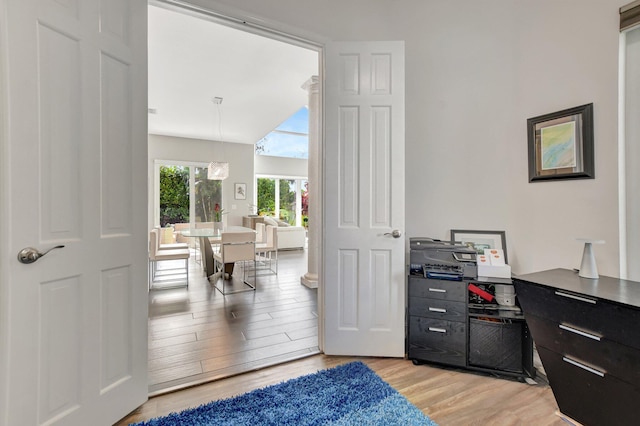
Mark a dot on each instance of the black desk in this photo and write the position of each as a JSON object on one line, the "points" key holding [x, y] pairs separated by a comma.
{"points": [[586, 332]]}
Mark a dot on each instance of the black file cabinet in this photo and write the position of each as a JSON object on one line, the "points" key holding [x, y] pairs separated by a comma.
{"points": [[437, 321], [443, 328]]}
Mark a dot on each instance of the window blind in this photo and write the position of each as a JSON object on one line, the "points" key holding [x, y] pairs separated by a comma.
{"points": [[630, 15]]}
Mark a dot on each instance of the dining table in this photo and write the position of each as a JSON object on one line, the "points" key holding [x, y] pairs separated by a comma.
{"points": [[208, 237]]}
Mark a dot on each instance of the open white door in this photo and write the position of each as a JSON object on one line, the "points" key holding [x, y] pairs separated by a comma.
{"points": [[74, 322], [364, 272]]}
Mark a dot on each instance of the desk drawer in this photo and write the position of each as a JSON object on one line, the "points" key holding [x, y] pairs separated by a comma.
{"points": [[438, 341], [438, 289], [618, 360], [438, 309], [595, 316], [588, 397]]}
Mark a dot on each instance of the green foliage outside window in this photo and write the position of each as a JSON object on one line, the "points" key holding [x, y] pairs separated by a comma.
{"points": [[266, 192], [288, 201], [266, 196], [208, 193], [174, 194]]}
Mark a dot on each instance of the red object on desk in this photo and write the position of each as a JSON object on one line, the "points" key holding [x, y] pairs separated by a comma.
{"points": [[480, 292]]}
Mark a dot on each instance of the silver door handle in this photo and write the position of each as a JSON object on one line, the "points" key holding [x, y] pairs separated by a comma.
{"points": [[395, 233], [30, 254]]}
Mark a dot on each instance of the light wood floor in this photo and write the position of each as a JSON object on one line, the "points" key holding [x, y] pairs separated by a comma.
{"points": [[448, 396], [196, 334]]}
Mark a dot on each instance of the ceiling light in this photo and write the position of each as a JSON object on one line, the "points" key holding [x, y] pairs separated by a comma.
{"points": [[218, 170]]}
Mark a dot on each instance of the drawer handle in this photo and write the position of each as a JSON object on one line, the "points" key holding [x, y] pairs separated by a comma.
{"points": [[437, 290], [584, 367], [580, 332], [437, 330], [443, 311], [572, 296]]}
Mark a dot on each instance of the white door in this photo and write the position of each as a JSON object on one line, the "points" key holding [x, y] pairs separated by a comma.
{"points": [[364, 272], [74, 323]]}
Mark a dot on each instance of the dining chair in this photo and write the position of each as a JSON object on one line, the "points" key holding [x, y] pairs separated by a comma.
{"points": [[267, 252], [168, 275], [260, 229], [236, 247]]}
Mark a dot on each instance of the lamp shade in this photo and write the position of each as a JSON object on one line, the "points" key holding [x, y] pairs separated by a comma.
{"points": [[218, 170]]}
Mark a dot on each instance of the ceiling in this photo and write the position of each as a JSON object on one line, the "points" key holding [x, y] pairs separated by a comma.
{"points": [[193, 60]]}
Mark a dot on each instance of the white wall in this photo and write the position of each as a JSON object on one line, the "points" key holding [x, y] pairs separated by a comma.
{"points": [[239, 156], [475, 71], [280, 166]]}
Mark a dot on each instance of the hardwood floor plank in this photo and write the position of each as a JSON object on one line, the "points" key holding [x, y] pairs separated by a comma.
{"points": [[303, 332], [254, 309], [203, 325], [174, 372], [176, 340], [213, 349], [279, 326], [252, 355], [291, 312], [222, 373]]}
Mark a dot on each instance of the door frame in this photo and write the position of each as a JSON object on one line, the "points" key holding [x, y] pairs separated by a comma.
{"points": [[4, 209], [238, 19]]}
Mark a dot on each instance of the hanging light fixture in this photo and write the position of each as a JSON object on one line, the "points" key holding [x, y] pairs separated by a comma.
{"points": [[218, 170]]}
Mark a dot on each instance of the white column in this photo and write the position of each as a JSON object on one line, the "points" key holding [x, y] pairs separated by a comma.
{"points": [[310, 279]]}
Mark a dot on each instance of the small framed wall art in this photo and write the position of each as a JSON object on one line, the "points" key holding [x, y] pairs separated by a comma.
{"points": [[561, 145], [240, 191], [481, 240]]}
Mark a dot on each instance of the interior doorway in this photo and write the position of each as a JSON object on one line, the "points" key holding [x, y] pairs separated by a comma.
{"points": [[177, 309]]}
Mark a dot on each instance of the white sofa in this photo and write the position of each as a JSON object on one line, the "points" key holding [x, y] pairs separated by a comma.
{"points": [[289, 237]]}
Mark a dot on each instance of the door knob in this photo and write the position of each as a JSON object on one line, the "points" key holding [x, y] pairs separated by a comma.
{"points": [[30, 254], [395, 233]]}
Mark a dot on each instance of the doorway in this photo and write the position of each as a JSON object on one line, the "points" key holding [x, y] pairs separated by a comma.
{"points": [[253, 325]]}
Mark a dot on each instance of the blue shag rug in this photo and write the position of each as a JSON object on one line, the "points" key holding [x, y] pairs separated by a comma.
{"points": [[350, 394]]}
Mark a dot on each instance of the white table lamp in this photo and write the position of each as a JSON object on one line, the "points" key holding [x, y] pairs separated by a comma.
{"points": [[588, 267]]}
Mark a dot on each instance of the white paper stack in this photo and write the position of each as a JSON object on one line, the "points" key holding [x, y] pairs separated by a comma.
{"points": [[492, 264]]}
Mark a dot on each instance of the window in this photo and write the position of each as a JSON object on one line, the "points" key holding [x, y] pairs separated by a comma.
{"points": [[283, 198], [289, 139], [184, 194]]}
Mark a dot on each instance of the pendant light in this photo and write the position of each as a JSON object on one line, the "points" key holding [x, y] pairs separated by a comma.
{"points": [[218, 170]]}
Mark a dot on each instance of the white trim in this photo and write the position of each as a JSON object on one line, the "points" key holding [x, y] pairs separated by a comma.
{"points": [[622, 174], [157, 162], [236, 18], [5, 184], [286, 177], [316, 42]]}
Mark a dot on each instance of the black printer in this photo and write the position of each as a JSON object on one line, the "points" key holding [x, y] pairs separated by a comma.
{"points": [[446, 260]]}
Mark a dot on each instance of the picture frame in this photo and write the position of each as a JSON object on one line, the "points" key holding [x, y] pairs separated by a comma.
{"points": [[560, 145], [240, 191], [481, 240]]}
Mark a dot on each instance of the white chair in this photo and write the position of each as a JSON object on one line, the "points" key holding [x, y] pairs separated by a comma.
{"points": [[169, 246], [235, 247], [267, 252], [260, 229], [168, 275]]}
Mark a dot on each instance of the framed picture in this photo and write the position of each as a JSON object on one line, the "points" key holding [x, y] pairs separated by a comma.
{"points": [[561, 145], [481, 240], [240, 191]]}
